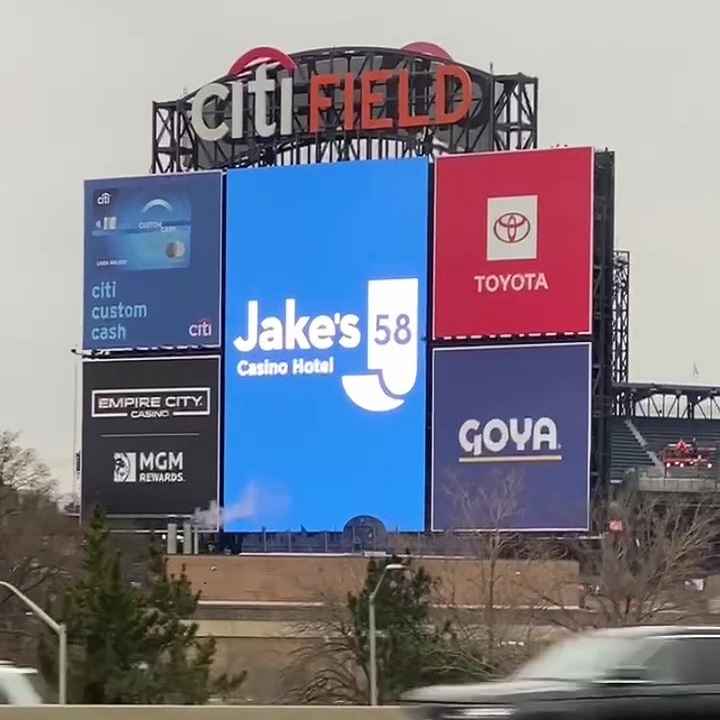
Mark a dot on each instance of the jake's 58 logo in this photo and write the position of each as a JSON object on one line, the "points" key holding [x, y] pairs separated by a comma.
{"points": [[391, 333]]}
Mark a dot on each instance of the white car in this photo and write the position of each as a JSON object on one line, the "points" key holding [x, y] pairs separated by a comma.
{"points": [[21, 685]]}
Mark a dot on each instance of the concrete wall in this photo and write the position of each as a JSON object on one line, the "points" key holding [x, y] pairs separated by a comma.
{"points": [[264, 610], [202, 712], [313, 578]]}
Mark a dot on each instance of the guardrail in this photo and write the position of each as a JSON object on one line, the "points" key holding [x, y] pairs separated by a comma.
{"points": [[202, 712]]}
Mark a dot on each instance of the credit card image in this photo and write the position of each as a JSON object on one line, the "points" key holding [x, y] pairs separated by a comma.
{"points": [[136, 230]]}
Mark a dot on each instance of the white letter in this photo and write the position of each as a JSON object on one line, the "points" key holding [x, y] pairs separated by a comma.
{"points": [[238, 109], [261, 86], [520, 438], [545, 433], [286, 106], [499, 444], [295, 328], [247, 344], [468, 444], [202, 129], [321, 332], [349, 331]]}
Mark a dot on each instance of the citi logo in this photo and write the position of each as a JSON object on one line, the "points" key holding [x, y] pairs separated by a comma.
{"points": [[527, 439], [260, 88], [203, 328], [104, 198]]}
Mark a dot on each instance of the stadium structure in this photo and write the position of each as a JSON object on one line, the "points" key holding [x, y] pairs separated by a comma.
{"points": [[657, 436]]}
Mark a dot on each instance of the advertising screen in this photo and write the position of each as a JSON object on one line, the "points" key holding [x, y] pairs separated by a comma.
{"points": [[153, 248], [325, 334], [150, 432], [511, 437], [513, 243]]}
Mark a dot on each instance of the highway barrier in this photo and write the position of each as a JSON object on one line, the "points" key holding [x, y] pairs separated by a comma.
{"points": [[202, 712]]}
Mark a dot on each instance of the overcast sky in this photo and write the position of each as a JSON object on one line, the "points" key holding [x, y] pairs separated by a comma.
{"points": [[78, 78]]}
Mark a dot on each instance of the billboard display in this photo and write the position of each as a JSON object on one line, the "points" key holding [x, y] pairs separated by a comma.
{"points": [[150, 435], [513, 243], [153, 248], [511, 437], [326, 319]]}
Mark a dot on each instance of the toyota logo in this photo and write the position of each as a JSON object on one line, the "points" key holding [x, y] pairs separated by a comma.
{"points": [[511, 227]]}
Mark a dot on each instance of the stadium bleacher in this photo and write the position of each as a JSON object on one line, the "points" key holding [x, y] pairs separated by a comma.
{"points": [[660, 432], [627, 452]]}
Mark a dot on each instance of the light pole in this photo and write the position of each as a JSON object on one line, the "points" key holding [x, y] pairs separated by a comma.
{"points": [[59, 628], [372, 633]]}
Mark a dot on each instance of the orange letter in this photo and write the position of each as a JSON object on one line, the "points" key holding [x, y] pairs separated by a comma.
{"points": [[319, 102], [349, 109], [368, 99], [405, 119], [442, 116]]}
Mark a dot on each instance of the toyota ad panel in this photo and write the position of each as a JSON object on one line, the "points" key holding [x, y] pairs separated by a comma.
{"points": [[150, 435], [325, 384], [513, 243], [153, 248], [511, 437]]}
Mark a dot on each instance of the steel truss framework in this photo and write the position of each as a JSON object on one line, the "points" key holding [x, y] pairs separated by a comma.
{"points": [[503, 116], [621, 316], [604, 333], [682, 402]]}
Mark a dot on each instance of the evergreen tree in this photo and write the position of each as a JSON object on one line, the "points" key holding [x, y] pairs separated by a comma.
{"points": [[404, 635], [411, 650], [106, 626], [127, 645], [182, 661]]}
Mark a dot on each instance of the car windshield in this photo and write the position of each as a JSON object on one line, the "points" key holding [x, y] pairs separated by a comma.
{"points": [[582, 658]]}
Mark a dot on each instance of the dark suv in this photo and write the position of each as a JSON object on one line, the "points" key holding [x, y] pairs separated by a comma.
{"points": [[641, 672]]}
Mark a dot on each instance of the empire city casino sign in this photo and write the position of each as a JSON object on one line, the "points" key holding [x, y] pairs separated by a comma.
{"points": [[355, 98]]}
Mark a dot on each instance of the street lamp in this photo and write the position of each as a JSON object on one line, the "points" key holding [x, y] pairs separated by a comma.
{"points": [[59, 628], [372, 633]]}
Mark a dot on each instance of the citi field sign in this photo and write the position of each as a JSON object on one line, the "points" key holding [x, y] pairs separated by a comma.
{"points": [[263, 87]]}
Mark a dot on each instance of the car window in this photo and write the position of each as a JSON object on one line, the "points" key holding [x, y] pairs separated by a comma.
{"points": [[580, 658], [698, 660], [662, 661]]}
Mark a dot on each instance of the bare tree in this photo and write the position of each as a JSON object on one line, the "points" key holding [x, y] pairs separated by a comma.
{"points": [[499, 629], [37, 544], [324, 666], [643, 567]]}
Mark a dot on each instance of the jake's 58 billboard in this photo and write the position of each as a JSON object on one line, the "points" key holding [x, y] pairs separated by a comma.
{"points": [[153, 248], [150, 435], [325, 334], [513, 243], [511, 437]]}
